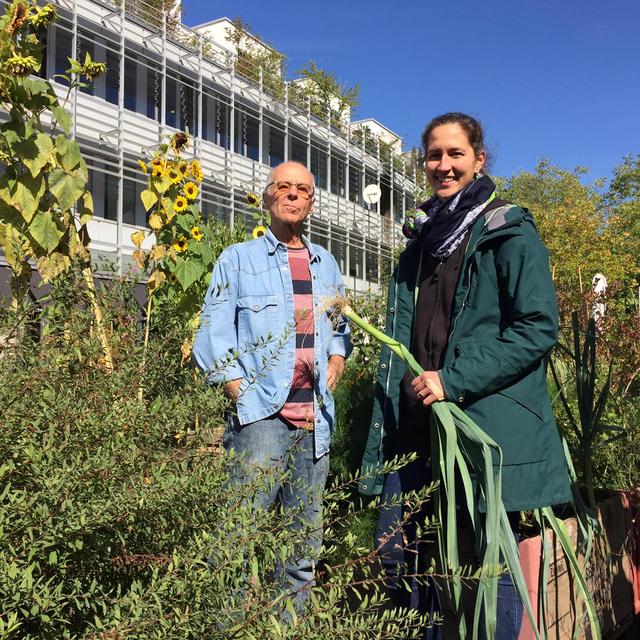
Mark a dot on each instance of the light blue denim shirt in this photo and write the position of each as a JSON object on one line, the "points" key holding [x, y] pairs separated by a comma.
{"points": [[247, 329]]}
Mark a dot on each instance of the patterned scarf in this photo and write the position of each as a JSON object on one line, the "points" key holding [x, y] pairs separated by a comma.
{"points": [[442, 225]]}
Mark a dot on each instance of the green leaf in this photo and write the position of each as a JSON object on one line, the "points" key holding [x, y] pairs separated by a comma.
{"points": [[149, 198], [71, 156], [24, 194], [45, 231], [35, 152], [66, 188], [187, 272], [86, 208], [63, 118]]}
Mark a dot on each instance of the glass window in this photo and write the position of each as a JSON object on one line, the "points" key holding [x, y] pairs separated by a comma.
{"points": [[339, 247], [111, 193], [356, 254], [298, 149], [355, 184], [170, 113], [338, 167], [371, 261], [276, 146], [319, 232], [130, 84], [86, 45], [154, 90], [112, 79], [319, 166], [63, 52]]}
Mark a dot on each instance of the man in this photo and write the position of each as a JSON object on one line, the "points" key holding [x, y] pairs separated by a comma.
{"points": [[266, 333]]}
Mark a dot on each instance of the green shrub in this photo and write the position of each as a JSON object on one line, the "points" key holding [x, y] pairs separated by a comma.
{"points": [[116, 513]]}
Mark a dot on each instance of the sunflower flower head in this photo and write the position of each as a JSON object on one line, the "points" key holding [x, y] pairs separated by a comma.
{"points": [[43, 16], [180, 245], [253, 199], [155, 222], [196, 234], [19, 17], [173, 174], [191, 190], [196, 171], [143, 166], [180, 204], [183, 168], [21, 65], [179, 141], [258, 231]]}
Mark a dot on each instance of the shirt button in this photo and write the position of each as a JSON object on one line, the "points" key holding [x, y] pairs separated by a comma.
{"points": [[383, 366], [376, 425], [461, 399], [391, 310], [255, 307]]}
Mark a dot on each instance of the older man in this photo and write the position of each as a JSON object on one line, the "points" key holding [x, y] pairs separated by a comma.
{"points": [[267, 335]]}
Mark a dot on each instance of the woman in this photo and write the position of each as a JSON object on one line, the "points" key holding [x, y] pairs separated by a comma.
{"points": [[473, 299]]}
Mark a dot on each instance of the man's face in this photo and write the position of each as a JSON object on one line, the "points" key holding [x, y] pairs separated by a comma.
{"points": [[289, 206]]}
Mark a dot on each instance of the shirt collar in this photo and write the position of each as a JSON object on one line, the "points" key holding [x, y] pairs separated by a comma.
{"points": [[273, 243]]}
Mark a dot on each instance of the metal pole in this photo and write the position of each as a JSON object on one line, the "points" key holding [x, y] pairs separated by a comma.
{"points": [[120, 212]]}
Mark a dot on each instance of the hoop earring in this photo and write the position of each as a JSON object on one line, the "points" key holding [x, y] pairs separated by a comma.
{"points": [[476, 175]]}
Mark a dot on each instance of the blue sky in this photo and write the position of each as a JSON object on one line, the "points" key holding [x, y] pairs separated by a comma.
{"points": [[557, 79]]}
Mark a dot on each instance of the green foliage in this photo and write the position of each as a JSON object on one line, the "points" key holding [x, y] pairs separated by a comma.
{"points": [[589, 429], [256, 57], [329, 99], [118, 516], [186, 247], [43, 173]]}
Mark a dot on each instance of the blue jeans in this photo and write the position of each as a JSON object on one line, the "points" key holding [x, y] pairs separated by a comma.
{"points": [[296, 481], [404, 554]]}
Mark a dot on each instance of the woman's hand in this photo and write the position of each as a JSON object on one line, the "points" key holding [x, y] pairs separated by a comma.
{"points": [[428, 387]]}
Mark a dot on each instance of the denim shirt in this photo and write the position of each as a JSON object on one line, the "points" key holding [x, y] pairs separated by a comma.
{"points": [[247, 329]]}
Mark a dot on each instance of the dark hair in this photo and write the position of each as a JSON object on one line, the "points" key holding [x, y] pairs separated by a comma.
{"points": [[469, 125]]}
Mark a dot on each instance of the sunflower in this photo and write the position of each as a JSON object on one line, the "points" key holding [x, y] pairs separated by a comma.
{"points": [[183, 168], [157, 170], [191, 190], [196, 171], [179, 141], [180, 204], [258, 231], [19, 17], [253, 199], [143, 166], [180, 244], [173, 174], [196, 234]]}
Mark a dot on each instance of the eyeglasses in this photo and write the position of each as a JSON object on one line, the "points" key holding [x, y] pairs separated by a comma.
{"points": [[283, 187]]}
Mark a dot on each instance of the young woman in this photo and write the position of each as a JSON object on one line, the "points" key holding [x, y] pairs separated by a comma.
{"points": [[473, 299]]}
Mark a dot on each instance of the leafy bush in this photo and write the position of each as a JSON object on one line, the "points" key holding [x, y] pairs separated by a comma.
{"points": [[117, 515]]}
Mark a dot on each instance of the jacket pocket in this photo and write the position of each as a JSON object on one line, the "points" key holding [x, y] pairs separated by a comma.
{"points": [[257, 318]]}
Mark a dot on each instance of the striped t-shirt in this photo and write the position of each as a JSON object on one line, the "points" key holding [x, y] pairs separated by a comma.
{"points": [[298, 409]]}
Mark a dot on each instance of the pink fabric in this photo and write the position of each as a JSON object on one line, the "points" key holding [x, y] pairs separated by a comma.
{"points": [[298, 409]]}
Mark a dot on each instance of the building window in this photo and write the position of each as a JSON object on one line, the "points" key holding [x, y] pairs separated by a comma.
{"points": [[355, 184], [154, 90], [276, 146], [62, 53], [111, 194], [298, 150], [171, 107], [338, 167], [130, 84], [356, 255], [112, 79], [319, 166]]}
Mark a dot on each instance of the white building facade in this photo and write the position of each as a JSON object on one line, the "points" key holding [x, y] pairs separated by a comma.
{"points": [[163, 77]]}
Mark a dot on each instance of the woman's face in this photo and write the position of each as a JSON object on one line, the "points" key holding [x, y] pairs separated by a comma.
{"points": [[451, 161]]}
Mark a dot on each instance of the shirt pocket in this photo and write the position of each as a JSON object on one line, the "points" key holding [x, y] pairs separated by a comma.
{"points": [[257, 318]]}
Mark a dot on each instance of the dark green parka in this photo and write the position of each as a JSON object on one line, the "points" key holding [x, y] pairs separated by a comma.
{"points": [[504, 322]]}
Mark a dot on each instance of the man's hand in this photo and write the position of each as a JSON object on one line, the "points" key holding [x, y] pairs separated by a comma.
{"points": [[231, 389], [335, 369], [428, 387]]}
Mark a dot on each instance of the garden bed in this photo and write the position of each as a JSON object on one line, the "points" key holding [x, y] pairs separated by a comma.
{"points": [[613, 572]]}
